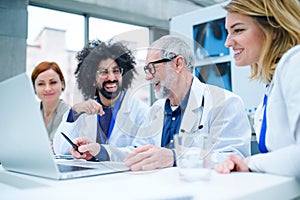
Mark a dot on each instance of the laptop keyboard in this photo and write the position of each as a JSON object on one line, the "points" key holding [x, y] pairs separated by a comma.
{"points": [[70, 168]]}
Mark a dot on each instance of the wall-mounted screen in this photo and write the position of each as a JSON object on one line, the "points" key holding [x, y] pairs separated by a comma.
{"points": [[215, 74], [209, 39]]}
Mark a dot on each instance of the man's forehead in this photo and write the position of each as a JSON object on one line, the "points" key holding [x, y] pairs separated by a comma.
{"points": [[107, 63], [152, 54]]}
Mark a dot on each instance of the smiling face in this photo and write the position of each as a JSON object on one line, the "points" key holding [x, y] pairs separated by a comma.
{"points": [[48, 86], [109, 84], [164, 76], [245, 38]]}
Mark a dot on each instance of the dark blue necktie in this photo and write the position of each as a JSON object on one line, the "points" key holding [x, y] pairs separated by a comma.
{"points": [[262, 138], [104, 123]]}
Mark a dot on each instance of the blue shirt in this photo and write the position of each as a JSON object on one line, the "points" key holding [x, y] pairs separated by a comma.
{"points": [[172, 121]]}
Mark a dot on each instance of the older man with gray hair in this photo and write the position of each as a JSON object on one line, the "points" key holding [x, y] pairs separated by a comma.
{"points": [[186, 104]]}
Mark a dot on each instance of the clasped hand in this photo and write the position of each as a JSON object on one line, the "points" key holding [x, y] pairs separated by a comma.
{"points": [[149, 157], [233, 163]]}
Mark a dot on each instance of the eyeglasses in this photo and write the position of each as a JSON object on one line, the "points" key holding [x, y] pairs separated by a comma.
{"points": [[150, 68], [103, 73]]}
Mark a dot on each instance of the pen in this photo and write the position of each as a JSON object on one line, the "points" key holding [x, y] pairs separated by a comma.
{"points": [[71, 143]]}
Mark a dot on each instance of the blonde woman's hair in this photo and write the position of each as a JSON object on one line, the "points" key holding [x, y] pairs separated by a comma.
{"points": [[280, 22]]}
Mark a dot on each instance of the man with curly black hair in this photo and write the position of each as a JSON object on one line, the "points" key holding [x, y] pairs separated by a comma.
{"points": [[89, 58], [109, 115]]}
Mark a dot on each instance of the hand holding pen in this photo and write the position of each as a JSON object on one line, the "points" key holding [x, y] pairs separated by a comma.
{"points": [[83, 148]]}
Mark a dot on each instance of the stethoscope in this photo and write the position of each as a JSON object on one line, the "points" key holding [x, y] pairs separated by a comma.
{"points": [[171, 144], [200, 124]]}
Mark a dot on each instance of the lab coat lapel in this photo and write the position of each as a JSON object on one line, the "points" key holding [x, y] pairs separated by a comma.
{"points": [[123, 121], [157, 119], [87, 125], [154, 125], [193, 111]]}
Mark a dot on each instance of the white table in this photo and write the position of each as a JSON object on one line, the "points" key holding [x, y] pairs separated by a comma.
{"points": [[156, 184]]}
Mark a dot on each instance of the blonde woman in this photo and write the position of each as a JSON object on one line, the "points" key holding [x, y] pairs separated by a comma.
{"points": [[265, 34]]}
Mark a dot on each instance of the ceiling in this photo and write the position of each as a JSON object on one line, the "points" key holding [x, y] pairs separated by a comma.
{"points": [[150, 13]]}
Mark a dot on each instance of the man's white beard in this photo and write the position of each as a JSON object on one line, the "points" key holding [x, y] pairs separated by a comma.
{"points": [[163, 93]]}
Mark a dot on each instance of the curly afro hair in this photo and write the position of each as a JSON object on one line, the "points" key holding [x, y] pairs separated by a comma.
{"points": [[90, 57]]}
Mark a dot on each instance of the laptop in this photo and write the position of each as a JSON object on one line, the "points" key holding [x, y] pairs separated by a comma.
{"points": [[24, 143]]}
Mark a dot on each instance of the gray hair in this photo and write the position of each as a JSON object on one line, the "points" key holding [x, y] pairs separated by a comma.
{"points": [[170, 45]]}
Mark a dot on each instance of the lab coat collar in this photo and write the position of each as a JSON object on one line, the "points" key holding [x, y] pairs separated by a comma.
{"points": [[194, 106]]}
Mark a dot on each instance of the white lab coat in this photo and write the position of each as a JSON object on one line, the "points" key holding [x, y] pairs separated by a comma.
{"points": [[283, 120], [130, 116], [223, 117]]}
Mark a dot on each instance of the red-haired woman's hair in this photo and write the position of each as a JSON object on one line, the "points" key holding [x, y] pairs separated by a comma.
{"points": [[44, 66]]}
